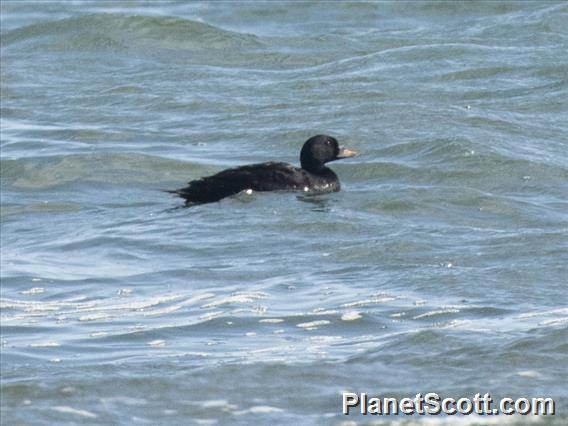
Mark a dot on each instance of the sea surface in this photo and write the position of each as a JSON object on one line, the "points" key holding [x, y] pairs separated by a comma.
{"points": [[441, 266]]}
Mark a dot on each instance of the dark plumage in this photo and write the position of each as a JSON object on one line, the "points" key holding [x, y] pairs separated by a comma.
{"points": [[272, 176]]}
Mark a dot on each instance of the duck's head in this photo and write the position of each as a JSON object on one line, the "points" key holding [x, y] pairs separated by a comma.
{"points": [[321, 149]]}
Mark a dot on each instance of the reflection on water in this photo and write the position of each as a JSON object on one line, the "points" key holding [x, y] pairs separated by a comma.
{"points": [[320, 202]]}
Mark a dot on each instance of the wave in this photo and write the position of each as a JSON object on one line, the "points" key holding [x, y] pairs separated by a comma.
{"points": [[119, 32], [40, 173]]}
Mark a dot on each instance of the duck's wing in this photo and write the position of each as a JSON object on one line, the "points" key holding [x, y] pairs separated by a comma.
{"points": [[269, 176]]}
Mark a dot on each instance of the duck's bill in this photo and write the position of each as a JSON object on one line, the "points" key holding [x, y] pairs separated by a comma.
{"points": [[346, 152]]}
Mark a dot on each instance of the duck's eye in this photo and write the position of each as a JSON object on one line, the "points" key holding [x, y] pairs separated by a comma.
{"points": [[328, 142]]}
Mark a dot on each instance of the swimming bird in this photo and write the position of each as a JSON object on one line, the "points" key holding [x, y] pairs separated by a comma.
{"points": [[313, 175]]}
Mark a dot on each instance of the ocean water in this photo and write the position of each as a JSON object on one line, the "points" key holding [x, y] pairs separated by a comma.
{"points": [[441, 266]]}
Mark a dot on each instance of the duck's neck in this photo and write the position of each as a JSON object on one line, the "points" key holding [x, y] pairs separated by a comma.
{"points": [[321, 171], [314, 167]]}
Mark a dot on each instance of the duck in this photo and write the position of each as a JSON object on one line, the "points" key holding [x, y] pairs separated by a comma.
{"points": [[312, 176]]}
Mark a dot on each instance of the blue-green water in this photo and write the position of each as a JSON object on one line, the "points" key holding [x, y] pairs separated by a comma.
{"points": [[442, 265]]}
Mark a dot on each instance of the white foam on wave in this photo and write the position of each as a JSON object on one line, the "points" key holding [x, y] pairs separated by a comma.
{"points": [[33, 290], [217, 403], [554, 317], [506, 324], [323, 311], [259, 409], [324, 339], [370, 301], [70, 410], [271, 320], [556, 321], [212, 315], [351, 316], [99, 316], [99, 309], [56, 315], [312, 325], [437, 312], [186, 302], [529, 373], [45, 345], [237, 298], [562, 311]]}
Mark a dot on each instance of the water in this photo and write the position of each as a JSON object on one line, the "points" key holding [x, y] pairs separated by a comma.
{"points": [[440, 267]]}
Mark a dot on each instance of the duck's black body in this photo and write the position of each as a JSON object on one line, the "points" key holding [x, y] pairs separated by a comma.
{"points": [[269, 176], [273, 176]]}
